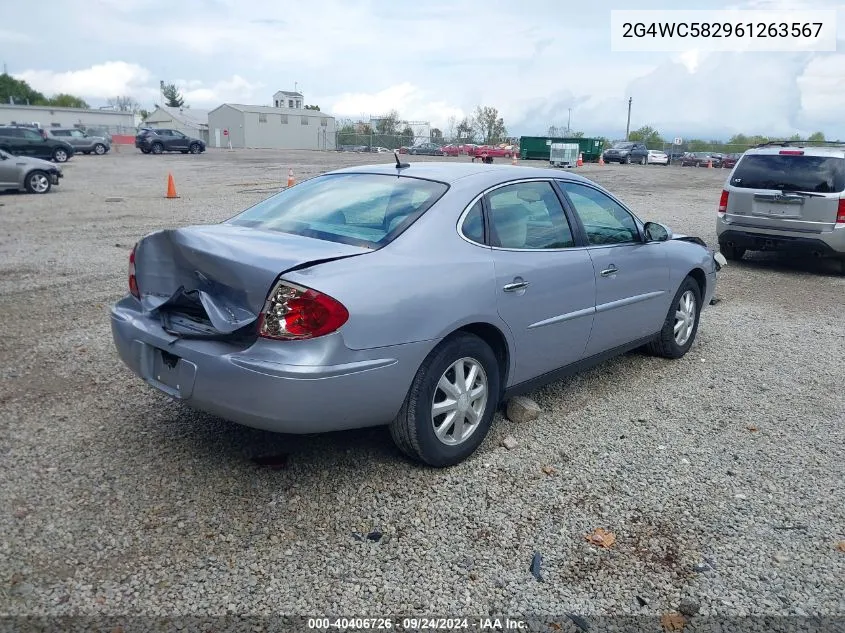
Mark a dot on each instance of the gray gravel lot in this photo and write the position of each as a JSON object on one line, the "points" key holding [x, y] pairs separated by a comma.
{"points": [[721, 474]]}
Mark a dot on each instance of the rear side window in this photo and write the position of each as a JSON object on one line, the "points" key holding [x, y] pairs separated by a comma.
{"points": [[819, 174], [11, 131], [361, 209]]}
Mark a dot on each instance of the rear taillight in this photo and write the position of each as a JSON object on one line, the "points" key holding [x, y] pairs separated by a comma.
{"points": [[840, 212], [293, 312], [133, 281], [723, 203]]}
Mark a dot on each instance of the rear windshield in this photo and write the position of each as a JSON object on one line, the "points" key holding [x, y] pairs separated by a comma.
{"points": [[819, 174], [361, 209]]}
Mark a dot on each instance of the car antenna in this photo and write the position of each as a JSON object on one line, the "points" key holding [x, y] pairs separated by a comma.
{"points": [[399, 163]]}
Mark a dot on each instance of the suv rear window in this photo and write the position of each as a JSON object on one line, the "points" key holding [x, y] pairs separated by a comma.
{"points": [[361, 209], [819, 174]]}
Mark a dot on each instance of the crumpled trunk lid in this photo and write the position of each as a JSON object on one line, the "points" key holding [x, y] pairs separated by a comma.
{"points": [[213, 280]]}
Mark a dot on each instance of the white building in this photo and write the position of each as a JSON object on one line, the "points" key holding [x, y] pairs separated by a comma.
{"points": [[265, 127], [114, 121], [190, 121], [286, 99]]}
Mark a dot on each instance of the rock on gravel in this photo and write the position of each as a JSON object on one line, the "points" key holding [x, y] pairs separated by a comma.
{"points": [[522, 409]]}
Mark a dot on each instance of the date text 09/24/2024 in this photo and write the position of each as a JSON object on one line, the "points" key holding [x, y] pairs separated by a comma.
{"points": [[415, 624]]}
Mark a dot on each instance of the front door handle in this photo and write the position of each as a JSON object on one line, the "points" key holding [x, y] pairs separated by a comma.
{"points": [[610, 270], [519, 285]]}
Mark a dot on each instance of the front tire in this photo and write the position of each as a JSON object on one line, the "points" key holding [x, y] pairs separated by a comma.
{"points": [[99, 149], [627, 160], [38, 182], [681, 325], [451, 403], [643, 161]]}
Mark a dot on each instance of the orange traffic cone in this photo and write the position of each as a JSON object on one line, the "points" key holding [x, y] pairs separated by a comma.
{"points": [[515, 160], [171, 187], [601, 159], [580, 162], [291, 181]]}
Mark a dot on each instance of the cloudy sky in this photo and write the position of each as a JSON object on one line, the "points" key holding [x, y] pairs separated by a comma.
{"points": [[533, 60]]}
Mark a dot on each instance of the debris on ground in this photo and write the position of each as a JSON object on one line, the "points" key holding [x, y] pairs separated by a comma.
{"points": [[509, 442], [602, 538], [522, 409], [578, 621], [688, 607], [714, 301], [375, 535], [21, 513], [841, 546], [548, 470], [536, 564], [114, 199], [752, 428], [673, 622], [642, 601], [274, 462]]}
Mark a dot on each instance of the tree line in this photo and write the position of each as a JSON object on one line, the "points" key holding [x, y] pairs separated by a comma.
{"points": [[735, 144]]}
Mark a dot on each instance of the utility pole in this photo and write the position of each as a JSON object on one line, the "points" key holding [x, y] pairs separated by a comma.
{"points": [[628, 127], [569, 123]]}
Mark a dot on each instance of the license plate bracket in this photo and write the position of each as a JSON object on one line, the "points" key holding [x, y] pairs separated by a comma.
{"points": [[166, 371]]}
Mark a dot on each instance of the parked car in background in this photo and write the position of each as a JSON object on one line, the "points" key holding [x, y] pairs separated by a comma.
{"points": [[23, 173], [657, 157], [626, 153], [80, 140], [676, 154], [318, 309], [493, 151], [451, 150], [785, 197], [403, 149], [729, 160], [158, 140], [21, 140], [427, 149], [379, 150], [699, 159]]}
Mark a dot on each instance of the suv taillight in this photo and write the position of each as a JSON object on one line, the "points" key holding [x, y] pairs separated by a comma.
{"points": [[723, 203], [292, 312], [840, 213], [133, 281]]}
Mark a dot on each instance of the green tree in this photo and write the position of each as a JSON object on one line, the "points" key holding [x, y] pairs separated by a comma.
{"points": [[576, 135], [19, 91], [313, 107], [648, 135], [466, 131], [407, 136], [489, 125], [62, 100], [436, 134], [173, 98], [816, 137]]}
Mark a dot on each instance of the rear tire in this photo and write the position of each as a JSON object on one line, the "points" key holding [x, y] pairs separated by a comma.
{"points": [[60, 155], [627, 160], [731, 253], [157, 148], [643, 160], [194, 148], [145, 151], [417, 430], [678, 332]]}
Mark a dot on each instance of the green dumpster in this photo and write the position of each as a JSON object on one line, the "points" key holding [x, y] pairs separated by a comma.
{"points": [[538, 147]]}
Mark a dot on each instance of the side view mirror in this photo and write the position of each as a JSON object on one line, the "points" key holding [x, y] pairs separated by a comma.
{"points": [[656, 232]]}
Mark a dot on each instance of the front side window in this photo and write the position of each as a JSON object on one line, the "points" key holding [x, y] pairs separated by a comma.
{"points": [[361, 209], [605, 220], [528, 215]]}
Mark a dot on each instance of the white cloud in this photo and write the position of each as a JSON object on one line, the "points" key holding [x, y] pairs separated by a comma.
{"points": [[99, 81], [822, 86], [409, 100], [14, 37], [234, 90]]}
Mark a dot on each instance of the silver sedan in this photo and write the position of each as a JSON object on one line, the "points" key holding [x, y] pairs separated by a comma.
{"points": [[415, 296]]}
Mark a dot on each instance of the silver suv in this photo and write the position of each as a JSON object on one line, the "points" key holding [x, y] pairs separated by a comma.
{"points": [[81, 140], [787, 197]]}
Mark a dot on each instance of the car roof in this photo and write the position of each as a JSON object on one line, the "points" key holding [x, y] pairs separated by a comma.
{"points": [[449, 172], [809, 150]]}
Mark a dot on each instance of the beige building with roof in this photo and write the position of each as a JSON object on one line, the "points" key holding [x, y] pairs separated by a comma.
{"points": [[267, 127]]}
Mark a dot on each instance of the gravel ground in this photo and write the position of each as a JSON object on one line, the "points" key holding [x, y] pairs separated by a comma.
{"points": [[720, 474]]}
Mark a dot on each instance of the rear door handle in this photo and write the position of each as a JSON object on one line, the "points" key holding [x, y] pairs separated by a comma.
{"points": [[515, 286], [610, 270]]}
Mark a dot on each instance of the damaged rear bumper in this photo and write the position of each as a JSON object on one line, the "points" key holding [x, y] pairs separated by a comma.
{"points": [[311, 386]]}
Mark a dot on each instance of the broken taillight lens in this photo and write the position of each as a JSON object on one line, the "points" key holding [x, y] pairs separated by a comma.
{"points": [[133, 281], [293, 312]]}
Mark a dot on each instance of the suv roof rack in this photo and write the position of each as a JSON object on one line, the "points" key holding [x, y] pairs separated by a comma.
{"points": [[799, 143]]}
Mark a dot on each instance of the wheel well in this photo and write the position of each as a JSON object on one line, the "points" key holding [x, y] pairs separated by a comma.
{"points": [[700, 279], [491, 335]]}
